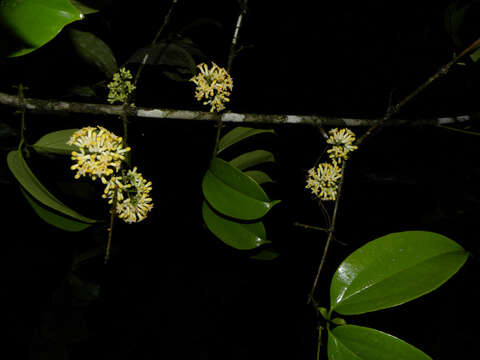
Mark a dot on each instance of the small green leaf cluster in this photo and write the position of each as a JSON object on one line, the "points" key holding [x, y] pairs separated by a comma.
{"points": [[234, 200]]}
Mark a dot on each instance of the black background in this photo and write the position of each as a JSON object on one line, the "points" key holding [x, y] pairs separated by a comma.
{"points": [[171, 288]]}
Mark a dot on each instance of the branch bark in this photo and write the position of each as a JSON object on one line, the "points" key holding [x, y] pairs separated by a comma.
{"points": [[54, 106]]}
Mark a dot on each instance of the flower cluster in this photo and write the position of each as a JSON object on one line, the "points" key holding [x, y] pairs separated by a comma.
{"points": [[132, 191], [323, 180], [342, 143], [120, 87], [214, 84], [100, 154]]}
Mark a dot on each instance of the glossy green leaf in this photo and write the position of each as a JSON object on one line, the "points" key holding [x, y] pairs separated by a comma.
{"points": [[94, 51], [259, 176], [237, 134], [242, 236], [52, 218], [33, 23], [34, 187], [252, 158], [394, 269], [55, 142], [351, 342], [232, 193]]}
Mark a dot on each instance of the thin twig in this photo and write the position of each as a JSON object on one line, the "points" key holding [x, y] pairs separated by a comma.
{"points": [[166, 19], [231, 56], [395, 109], [62, 107], [112, 221], [330, 236], [233, 46], [311, 227]]}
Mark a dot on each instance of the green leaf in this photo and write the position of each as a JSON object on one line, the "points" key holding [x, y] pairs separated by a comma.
{"points": [[52, 218], [351, 342], [252, 158], [454, 19], [259, 176], [242, 236], [265, 254], [165, 53], [475, 56], [34, 187], [84, 9], [32, 23], [237, 134], [55, 142], [394, 269], [233, 193], [339, 321], [94, 51], [83, 290]]}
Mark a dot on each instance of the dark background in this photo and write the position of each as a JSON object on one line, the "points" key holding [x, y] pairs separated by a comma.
{"points": [[173, 289]]}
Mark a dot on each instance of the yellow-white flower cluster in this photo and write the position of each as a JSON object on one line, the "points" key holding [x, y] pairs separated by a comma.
{"points": [[323, 180], [132, 191], [120, 87], [342, 144], [100, 154], [214, 84]]}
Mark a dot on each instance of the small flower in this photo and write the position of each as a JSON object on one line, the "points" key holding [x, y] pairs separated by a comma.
{"points": [[120, 87], [100, 152], [323, 181], [342, 141], [132, 191], [214, 84]]}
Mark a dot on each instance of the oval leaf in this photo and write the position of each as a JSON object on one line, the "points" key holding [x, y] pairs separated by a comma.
{"points": [[266, 254], [34, 187], [233, 193], [52, 218], [252, 158], [164, 53], [33, 23], [242, 236], [237, 134], [55, 142], [394, 269], [94, 51], [351, 342], [259, 176]]}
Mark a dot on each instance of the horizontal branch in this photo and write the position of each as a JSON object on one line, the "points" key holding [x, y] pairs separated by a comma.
{"points": [[53, 106]]}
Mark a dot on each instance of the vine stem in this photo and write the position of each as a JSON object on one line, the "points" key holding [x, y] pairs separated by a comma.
{"points": [[112, 221], [21, 96], [330, 235], [392, 110], [231, 57]]}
